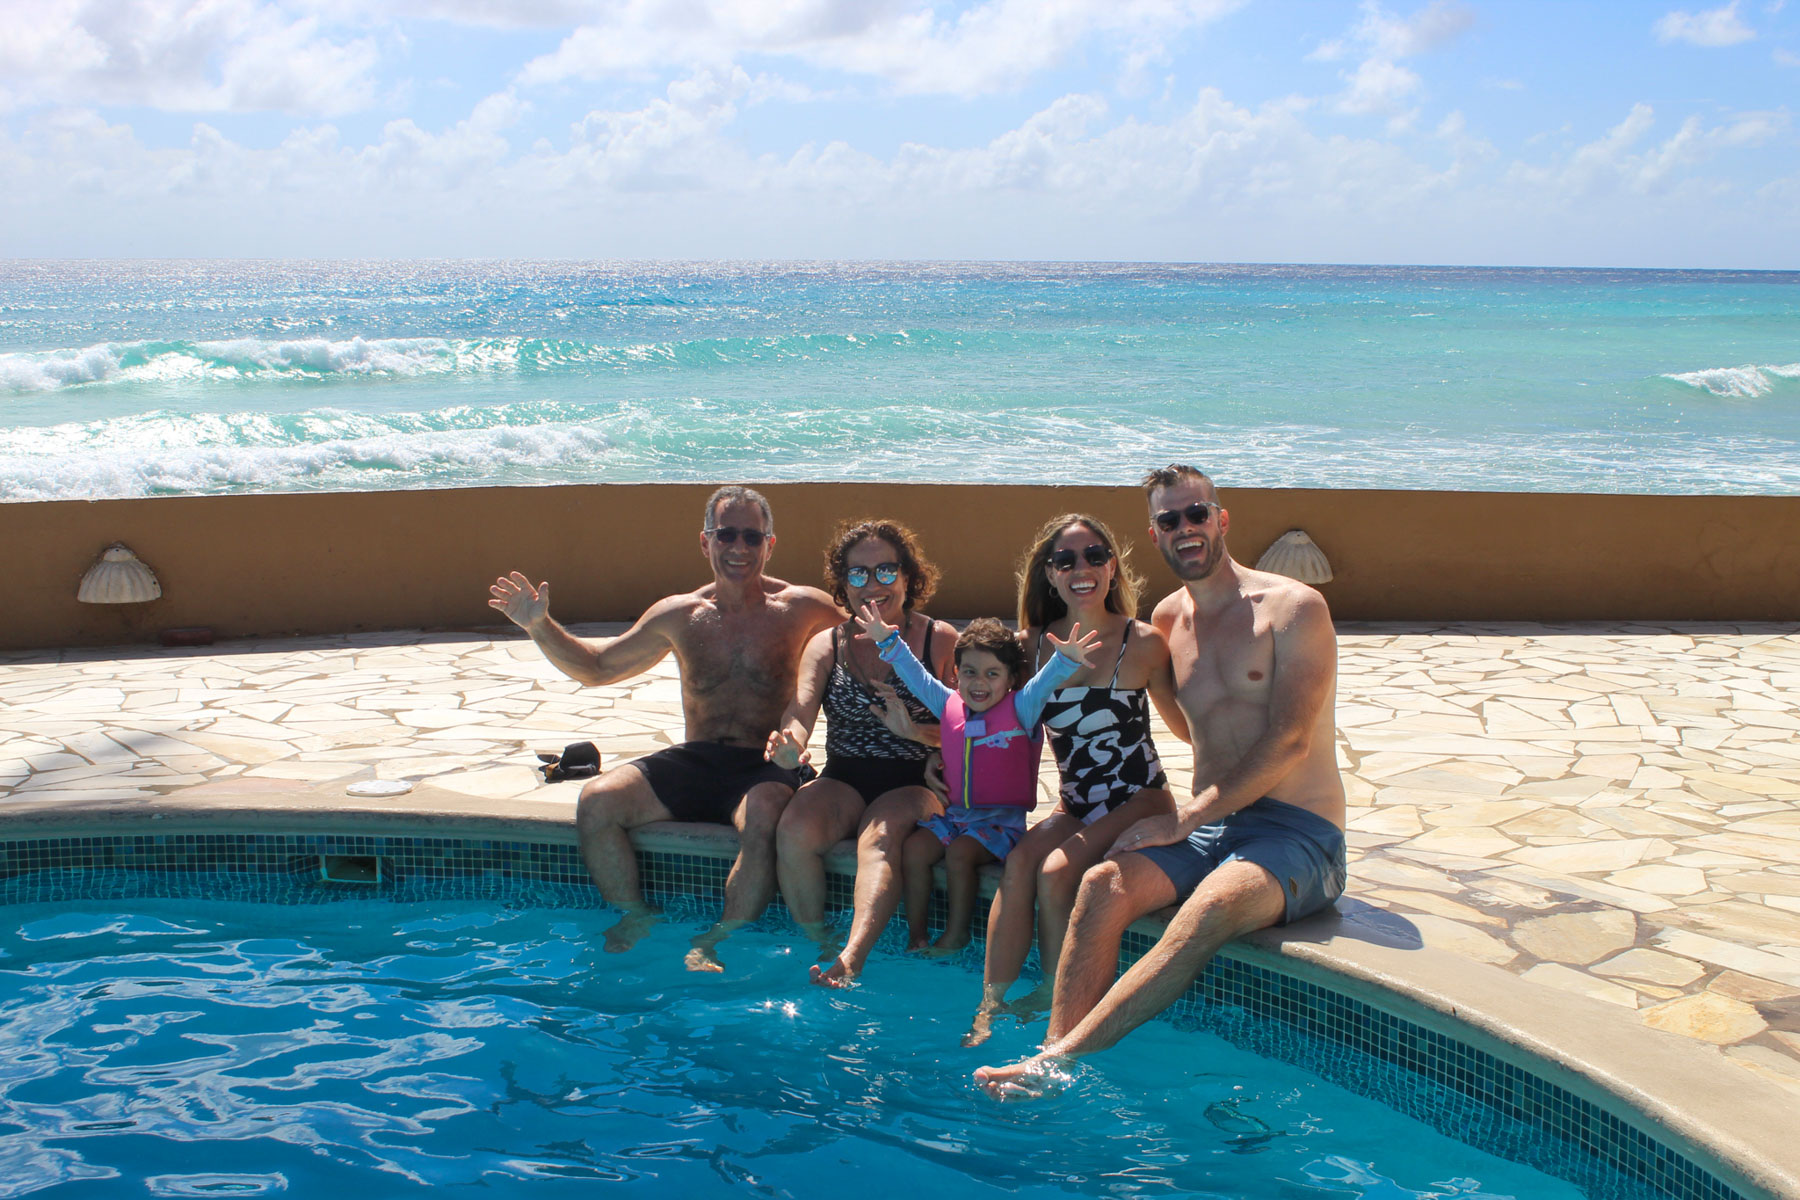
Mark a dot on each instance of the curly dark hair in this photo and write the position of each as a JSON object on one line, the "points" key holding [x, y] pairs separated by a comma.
{"points": [[1039, 602], [921, 576], [985, 633]]}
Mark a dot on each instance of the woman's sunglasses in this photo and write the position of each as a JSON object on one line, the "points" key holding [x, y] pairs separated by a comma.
{"points": [[1096, 555], [1169, 519], [885, 573], [729, 534]]}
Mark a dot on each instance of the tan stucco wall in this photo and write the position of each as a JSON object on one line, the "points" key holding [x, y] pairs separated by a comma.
{"points": [[338, 562]]}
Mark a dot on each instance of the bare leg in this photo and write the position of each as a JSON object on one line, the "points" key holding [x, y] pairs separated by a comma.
{"points": [[751, 884], [885, 828], [1060, 880], [921, 854], [962, 860], [1010, 918], [821, 814], [1235, 899], [609, 808]]}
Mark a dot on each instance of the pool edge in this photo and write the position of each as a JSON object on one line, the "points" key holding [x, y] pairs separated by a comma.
{"points": [[1665, 1083]]}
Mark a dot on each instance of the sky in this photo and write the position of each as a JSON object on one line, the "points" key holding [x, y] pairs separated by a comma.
{"points": [[1572, 132]]}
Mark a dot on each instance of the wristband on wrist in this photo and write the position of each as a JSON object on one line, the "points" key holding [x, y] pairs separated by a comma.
{"points": [[892, 637]]}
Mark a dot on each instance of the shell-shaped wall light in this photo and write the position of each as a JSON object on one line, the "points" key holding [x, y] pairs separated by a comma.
{"points": [[118, 578], [1295, 556]]}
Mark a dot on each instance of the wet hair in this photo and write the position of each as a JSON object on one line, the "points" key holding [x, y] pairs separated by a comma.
{"points": [[921, 576], [985, 633], [1173, 475], [1039, 602], [733, 493]]}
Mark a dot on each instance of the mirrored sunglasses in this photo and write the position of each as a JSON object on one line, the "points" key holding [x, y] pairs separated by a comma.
{"points": [[885, 574]]}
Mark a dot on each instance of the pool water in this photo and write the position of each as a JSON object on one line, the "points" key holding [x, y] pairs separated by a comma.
{"points": [[176, 1047]]}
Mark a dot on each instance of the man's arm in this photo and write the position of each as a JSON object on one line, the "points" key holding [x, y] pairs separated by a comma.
{"points": [[1162, 682], [592, 661], [1305, 664], [787, 744]]}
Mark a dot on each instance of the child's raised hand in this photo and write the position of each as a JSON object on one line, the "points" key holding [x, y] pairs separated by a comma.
{"points": [[872, 624], [1079, 646]]}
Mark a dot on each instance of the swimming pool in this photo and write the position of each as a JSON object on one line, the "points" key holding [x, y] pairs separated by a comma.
{"points": [[1446, 1080], [202, 1047]]}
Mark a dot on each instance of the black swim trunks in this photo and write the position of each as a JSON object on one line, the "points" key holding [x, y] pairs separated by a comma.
{"points": [[872, 777], [703, 781]]}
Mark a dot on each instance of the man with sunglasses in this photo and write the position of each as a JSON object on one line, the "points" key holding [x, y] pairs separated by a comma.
{"points": [[1260, 842], [738, 641]]}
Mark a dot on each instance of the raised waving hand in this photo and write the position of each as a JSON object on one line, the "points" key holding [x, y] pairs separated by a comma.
{"points": [[1078, 646], [523, 604]]}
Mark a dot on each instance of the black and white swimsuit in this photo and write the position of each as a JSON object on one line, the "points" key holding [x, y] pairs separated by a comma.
{"points": [[859, 749], [1101, 739]]}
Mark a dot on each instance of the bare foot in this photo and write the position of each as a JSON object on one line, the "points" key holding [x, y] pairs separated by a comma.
{"points": [[703, 958], [1031, 1079], [826, 937], [1032, 1004], [982, 1027], [918, 945], [631, 927], [705, 954], [948, 944], [838, 974]]}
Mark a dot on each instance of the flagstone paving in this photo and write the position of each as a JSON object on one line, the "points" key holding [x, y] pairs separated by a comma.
{"points": [[1613, 812]]}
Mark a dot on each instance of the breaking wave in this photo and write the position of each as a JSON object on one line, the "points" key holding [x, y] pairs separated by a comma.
{"points": [[320, 358], [1741, 383]]}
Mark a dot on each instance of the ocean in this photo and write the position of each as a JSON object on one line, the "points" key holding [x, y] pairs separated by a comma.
{"points": [[123, 379]]}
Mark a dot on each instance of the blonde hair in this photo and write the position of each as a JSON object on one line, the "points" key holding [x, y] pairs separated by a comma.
{"points": [[1039, 602]]}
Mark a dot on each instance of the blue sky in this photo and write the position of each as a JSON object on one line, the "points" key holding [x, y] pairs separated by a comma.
{"points": [[1564, 133]]}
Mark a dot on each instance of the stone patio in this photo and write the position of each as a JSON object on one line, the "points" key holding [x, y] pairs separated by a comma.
{"points": [[1608, 811]]}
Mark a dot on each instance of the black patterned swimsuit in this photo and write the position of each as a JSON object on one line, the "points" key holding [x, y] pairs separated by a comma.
{"points": [[859, 749], [1101, 739]]}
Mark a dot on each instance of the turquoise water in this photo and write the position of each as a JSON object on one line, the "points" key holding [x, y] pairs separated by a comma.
{"points": [[127, 379], [183, 1047]]}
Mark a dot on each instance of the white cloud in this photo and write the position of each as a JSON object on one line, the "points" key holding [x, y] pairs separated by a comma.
{"points": [[992, 46], [1786, 58], [1712, 27], [181, 55], [1379, 85]]}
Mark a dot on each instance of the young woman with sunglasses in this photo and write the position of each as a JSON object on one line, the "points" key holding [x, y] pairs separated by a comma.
{"points": [[877, 739], [1099, 726]]}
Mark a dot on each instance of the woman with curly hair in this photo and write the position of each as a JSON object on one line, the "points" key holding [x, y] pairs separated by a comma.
{"points": [[877, 739], [1074, 574]]}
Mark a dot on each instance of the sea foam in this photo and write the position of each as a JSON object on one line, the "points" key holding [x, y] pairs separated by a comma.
{"points": [[1744, 383]]}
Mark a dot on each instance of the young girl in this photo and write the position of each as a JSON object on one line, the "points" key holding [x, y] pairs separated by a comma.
{"points": [[991, 743]]}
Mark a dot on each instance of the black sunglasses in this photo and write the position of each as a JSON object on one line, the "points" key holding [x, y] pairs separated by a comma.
{"points": [[1197, 513], [885, 573], [729, 534], [1096, 555]]}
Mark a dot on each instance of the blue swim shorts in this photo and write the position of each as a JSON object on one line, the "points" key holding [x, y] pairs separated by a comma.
{"points": [[997, 829], [1301, 849]]}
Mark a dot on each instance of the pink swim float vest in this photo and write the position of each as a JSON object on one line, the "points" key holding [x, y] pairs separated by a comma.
{"points": [[989, 759]]}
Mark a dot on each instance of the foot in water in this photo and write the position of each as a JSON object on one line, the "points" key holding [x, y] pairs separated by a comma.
{"points": [[705, 954], [828, 940], [631, 927], [946, 947], [982, 1027], [1031, 1079], [1031, 1005], [839, 974]]}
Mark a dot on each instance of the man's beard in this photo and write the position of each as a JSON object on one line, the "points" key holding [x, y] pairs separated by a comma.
{"points": [[1188, 572]]}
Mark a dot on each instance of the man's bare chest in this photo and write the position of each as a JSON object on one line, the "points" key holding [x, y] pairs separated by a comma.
{"points": [[719, 650]]}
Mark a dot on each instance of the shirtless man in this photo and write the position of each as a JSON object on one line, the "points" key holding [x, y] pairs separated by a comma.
{"points": [[1260, 842], [738, 642]]}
